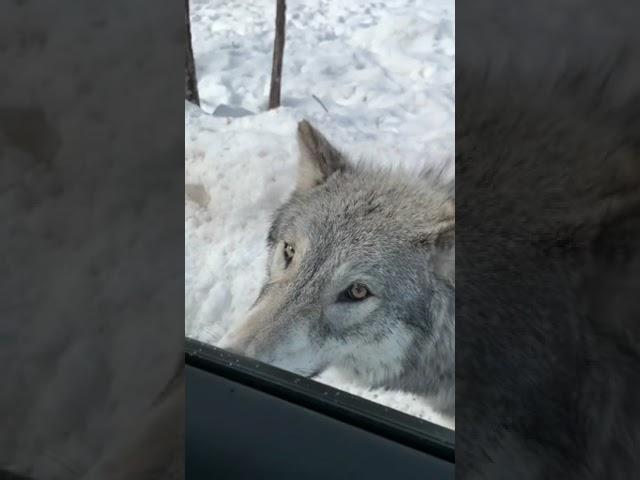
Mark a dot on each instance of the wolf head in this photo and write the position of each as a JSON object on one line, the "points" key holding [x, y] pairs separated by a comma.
{"points": [[361, 275]]}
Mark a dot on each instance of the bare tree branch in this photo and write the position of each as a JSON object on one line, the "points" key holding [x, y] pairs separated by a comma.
{"points": [[190, 81], [278, 52]]}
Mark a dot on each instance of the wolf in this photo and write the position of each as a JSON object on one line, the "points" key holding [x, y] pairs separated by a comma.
{"points": [[361, 277]]}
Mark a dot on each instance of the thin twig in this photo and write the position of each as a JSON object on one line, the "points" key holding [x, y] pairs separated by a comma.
{"points": [[320, 102]]}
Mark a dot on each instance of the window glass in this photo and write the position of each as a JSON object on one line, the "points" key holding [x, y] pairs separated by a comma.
{"points": [[319, 235]]}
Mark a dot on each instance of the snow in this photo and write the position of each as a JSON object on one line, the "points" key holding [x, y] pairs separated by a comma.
{"points": [[376, 77]]}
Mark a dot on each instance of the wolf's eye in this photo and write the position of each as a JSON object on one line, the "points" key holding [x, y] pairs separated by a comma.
{"points": [[355, 293], [288, 253]]}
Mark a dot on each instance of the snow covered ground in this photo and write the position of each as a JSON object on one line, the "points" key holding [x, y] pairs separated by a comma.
{"points": [[376, 77]]}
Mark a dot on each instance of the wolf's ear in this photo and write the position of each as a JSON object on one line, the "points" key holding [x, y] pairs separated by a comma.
{"points": [[318, 158], [441, 241]]}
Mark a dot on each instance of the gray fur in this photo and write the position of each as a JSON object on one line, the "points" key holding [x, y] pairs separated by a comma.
{"points": [[386, 229]]}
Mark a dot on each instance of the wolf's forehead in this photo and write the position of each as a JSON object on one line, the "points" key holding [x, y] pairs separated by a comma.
{"points": [[360, 217], [364, 209]]}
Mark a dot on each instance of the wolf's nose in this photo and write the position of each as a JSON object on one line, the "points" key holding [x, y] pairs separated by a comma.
{"points": [[231, 344], [232, 349], [227, 344]]}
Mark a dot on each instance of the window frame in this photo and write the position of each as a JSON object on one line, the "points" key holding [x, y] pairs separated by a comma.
{"points": [[416, 433]]}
